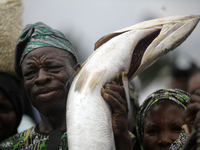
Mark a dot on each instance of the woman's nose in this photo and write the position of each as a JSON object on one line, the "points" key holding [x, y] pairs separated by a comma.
{"points": [[165, 139], [42, 77]]}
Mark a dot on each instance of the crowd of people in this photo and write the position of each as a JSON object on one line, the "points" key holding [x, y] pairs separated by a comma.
{"points": [[45, 62]]}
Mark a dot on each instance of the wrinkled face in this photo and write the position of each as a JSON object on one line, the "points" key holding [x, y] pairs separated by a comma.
{"points": [[162, 126], [46, 71], [8, 117]]}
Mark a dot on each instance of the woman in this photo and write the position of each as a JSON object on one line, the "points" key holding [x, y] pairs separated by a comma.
{"points": [[160, 119], [11, 106]]}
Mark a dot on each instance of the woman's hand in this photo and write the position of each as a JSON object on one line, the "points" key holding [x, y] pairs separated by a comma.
{"points": [[114, 94], [192, 109]]}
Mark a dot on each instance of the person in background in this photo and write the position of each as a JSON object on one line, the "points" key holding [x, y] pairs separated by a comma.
{"points": [[160, 120], [191, 114], [11, 106], [194, 81], [181, 69], [46, 62], [194, 106]]}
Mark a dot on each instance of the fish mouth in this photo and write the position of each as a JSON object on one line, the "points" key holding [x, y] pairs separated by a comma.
{"points": [[139, 51], [170, 33], [155, 38]]}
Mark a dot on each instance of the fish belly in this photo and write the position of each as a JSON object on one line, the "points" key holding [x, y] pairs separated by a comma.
{"points": [[89, 128]]}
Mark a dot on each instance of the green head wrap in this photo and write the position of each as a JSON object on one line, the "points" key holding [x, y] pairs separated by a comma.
{"points": [[38, 35], [178, 96]]}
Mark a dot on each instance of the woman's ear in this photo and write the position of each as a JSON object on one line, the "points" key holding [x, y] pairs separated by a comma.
{"points": [[76, 67]]}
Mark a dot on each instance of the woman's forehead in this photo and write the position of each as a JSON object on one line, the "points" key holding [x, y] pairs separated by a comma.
{"points": [[42, 50], [47, 52], [46, 56], [159, 105], [165, 111], [165, 103]]}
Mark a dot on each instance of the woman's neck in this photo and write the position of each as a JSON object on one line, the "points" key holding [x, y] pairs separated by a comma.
{"points": [[52, 123]]}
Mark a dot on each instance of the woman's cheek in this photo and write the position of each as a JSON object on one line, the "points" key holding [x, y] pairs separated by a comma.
{"points": [[150, 141]]}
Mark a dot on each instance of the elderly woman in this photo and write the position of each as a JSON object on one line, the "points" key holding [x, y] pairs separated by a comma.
{"points": [[46, 61], [160, 120]]}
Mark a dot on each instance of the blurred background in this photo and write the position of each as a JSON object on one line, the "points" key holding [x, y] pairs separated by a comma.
{"points": [[85, 21]]}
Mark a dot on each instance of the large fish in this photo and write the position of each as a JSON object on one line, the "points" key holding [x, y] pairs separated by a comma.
{"points": [[128, 52]]}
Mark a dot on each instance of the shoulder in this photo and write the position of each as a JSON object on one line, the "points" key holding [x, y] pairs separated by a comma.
{"points": [[13, 141]]}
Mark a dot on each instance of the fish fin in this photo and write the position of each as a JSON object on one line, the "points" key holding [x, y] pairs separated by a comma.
{"points": [[81, 67], [125, 82], [96, 77], [82, 80], [83, 64], [106, 38]]}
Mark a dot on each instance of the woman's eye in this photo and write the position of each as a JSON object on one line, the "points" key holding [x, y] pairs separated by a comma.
{"points": [[176, 129], [54, 69], [29, 74], [4, 109], [152, 132]]}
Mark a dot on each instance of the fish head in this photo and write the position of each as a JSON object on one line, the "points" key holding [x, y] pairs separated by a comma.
{"points": [[159, 36]]}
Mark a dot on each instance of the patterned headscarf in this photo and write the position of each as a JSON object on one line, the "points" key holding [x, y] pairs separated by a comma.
{"points": [[39, 35], [178, 96]]}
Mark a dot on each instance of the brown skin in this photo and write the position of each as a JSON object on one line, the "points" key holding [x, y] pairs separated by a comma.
{"points": [[45, 71], [192, 109], [8, 117], [194, 83], [194, 104], [162, 126], [114, 95]]}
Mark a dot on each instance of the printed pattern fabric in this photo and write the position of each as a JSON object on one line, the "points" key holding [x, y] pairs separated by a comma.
{"points": [[40, 35], [179, 143], [31, 140]]}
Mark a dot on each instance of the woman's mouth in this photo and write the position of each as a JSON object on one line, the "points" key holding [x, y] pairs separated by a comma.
{"points": [[46, 95]]}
